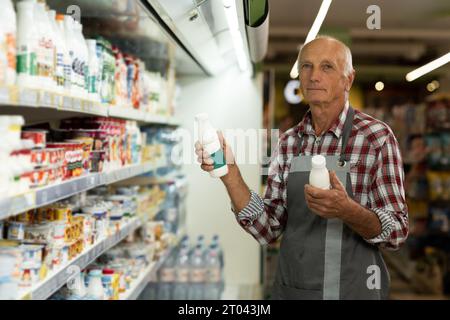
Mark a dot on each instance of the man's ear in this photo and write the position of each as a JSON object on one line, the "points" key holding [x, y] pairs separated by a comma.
{"points": [[350, 79]]}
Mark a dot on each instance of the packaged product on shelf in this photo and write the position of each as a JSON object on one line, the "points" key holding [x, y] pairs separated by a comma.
{"points": [[84, 66], [16, 230], [94, 71], [10, 260], [74, 57], [439, 219], [120, 79], [27, 45], [8, 33], [67, 57], [435, 183], [45, 50], [108, 67], [37, 136], [60, 53]]}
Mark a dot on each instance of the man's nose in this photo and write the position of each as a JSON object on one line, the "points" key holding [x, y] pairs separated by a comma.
{"points": [[314, 75]]}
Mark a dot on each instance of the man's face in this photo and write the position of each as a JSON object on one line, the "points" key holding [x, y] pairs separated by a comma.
{"points": [[322, 79]]}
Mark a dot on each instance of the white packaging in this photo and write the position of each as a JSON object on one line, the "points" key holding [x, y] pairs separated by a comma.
{"points": [[67, 60], [27, 44], [94, 71], [319, 176], [211, 144], [59, 53], [73, 57], [8, 34], [45, 52]]}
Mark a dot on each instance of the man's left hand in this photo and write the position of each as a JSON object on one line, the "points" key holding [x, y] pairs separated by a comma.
{"points": [[328, 204]]}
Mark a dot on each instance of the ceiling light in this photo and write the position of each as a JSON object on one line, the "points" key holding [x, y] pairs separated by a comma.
{"points": [[236, 36], [431, 87], [413, 75], [313, 31], [379, 86]]}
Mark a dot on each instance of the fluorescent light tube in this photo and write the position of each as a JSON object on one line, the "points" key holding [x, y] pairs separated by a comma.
{"points": [[236, 36], [313, 31], [413, 75]]}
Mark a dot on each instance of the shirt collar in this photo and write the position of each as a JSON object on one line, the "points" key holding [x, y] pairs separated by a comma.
{"points": [[305, 126]]}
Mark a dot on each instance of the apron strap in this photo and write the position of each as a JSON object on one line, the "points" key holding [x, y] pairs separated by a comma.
{"points": [[347, 130]]}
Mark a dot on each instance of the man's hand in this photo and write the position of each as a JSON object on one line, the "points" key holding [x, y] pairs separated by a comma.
{"points": [[334, 203], [207, 163]]}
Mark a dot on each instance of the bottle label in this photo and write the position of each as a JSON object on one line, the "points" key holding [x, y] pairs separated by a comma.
{"points": [[183, 275], [167, 275], [214, 275], [27, 63], [218, 158], [198, 275]]}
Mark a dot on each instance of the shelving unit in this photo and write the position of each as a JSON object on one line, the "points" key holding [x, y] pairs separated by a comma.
{"points": [[151, 42], [59, 278], [147, 275], [49, 194], [42, 100]]}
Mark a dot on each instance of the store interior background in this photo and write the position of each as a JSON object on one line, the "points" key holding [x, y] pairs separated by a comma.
{"points": [[412, 33]]}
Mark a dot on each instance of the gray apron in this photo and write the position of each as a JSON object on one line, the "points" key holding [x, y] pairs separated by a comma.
{"points": [[323, 258]]}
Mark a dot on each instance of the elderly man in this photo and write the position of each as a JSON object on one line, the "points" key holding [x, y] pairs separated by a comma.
{"points": [[331, 238]]}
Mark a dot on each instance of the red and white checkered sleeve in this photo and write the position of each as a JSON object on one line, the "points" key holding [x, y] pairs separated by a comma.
{"points": [[387, 196]]}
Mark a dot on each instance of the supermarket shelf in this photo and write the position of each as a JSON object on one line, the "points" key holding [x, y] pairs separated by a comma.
{"points": [[139, 284], [125, 173], [23, 97], [55, 281], [147, 275], [49, 194]]}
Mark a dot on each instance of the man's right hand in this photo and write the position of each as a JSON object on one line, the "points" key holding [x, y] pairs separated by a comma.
{"points": [[207, 163], [237, 189]]}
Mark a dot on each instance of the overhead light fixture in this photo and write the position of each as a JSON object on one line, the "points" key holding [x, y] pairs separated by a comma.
{"points": [[313, 31], [379, 86], [236, 36], [413, 75]]}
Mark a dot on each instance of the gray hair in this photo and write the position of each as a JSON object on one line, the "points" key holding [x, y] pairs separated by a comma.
{"points": [[348, 68]]}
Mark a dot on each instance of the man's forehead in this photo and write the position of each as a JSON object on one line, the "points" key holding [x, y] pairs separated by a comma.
{"points": [[323, 50]]}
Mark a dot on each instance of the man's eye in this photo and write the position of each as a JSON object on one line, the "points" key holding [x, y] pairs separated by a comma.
{"points": [[304, 66], [327, 67]]}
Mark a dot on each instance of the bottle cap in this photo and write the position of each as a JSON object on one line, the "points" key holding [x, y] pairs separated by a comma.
{"points": [[318, 162]]}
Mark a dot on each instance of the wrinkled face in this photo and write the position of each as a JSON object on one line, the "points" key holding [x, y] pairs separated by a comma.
{"points": [[322, 78]]}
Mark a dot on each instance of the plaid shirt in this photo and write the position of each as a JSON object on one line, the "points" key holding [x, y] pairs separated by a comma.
{"points": [[375, 168]]}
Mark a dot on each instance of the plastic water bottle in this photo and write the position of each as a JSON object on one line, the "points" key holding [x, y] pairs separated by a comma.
{"points": [[197, 274], [181, 286], [215, 241], [166, 279], [319, 176], [210, 141], [213, 286]]}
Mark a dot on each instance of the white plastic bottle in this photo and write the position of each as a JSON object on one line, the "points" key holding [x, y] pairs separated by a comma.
{"points": [[67, 60], [73, 60], [45, 48], [95, 289], [94, 71], [319, 176], [8, 33], [27, 44], [210, 141], [84, 59], [59, 52]]}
